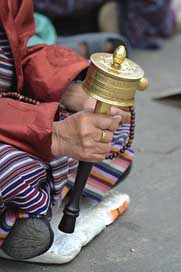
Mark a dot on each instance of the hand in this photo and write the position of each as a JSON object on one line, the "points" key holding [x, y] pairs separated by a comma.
{"points": [[75, 99], [79, 136]]}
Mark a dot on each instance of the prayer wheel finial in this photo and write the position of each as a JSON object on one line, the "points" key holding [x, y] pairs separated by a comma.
{"points": [[119, 56]]}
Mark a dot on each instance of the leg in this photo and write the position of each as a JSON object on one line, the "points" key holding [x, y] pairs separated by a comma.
{"points": [[24, 193]]}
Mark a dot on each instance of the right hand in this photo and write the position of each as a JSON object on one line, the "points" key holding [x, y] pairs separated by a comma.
{"points": [[79, 136]]}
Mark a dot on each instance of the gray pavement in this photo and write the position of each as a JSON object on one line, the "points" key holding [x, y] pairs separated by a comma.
{"points": [[152, 224]]}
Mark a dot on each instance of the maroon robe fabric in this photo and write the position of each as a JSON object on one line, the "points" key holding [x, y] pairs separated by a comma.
{"points": [[43, 72]]}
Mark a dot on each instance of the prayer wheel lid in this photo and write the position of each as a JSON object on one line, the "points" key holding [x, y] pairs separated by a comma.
{"points": [[117, 65]]}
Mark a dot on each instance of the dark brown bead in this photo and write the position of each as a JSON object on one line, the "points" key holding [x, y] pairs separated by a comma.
{"points": [[26, 99]]}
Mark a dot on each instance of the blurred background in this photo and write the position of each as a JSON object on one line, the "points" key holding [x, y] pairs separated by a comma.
{"points": [[94, 25]]}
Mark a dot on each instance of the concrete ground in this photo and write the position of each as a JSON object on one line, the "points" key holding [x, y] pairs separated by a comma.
{"points": [[147, 238]]}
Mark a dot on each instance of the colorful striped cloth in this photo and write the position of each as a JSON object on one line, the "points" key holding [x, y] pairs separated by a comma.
{"points": [[23, 181], [106, 174], [28, 186]]}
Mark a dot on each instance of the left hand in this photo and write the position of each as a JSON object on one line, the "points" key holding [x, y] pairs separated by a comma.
{"points": [[75, 99]]}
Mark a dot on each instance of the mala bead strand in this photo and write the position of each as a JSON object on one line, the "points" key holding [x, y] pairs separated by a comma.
{"points": [[131, 132], [130, 138], [19, 97]]}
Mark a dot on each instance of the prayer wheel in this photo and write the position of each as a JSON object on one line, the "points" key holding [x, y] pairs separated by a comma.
{"points": [[112, 79]]}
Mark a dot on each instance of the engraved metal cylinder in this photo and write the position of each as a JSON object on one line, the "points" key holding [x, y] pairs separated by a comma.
{"points": [[114, 79]]}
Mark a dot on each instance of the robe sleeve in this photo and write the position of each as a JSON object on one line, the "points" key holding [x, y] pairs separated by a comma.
{"points": [[47, 72], [48, 69], [28, 127]]}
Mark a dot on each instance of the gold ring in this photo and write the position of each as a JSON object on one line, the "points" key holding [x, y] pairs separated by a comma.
{"points": [[103, 136]]}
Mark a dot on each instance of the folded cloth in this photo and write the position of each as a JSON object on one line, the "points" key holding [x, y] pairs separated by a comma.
{"points": [[45, 31]]}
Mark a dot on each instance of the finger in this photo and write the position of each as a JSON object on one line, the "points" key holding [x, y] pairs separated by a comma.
{"points": [[121, 108], [103, 148], [104, 136], [98, 152], [107, 122], [124, 113], [96, 158]]}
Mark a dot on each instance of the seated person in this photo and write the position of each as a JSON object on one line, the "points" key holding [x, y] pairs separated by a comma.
{"points": [[40, 143]]}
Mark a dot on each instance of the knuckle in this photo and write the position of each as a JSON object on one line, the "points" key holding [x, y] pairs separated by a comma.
{"points": [[84, 130], [85, 145], [84, 126], [83, 133], [84, 118]]}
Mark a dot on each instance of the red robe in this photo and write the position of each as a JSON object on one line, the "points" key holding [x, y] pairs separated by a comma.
{"points": [[43, 72]]}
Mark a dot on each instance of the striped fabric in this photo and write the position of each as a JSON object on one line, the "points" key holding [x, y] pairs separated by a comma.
{"points": [[28, 185], [61, 169], [105, 175], [23, 181], [6, 63]]}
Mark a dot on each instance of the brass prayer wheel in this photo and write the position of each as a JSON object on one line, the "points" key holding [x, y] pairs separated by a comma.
{"points": [[113, 79]]}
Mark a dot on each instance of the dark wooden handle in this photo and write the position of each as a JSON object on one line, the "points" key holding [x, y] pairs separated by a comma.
{"points": [[71, 210]]}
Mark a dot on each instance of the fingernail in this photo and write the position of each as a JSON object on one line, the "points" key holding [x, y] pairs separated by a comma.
{"points": [[118, 117]]}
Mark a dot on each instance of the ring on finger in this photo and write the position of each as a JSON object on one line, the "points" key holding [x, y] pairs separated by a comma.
{"points": [[103, 136]]}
